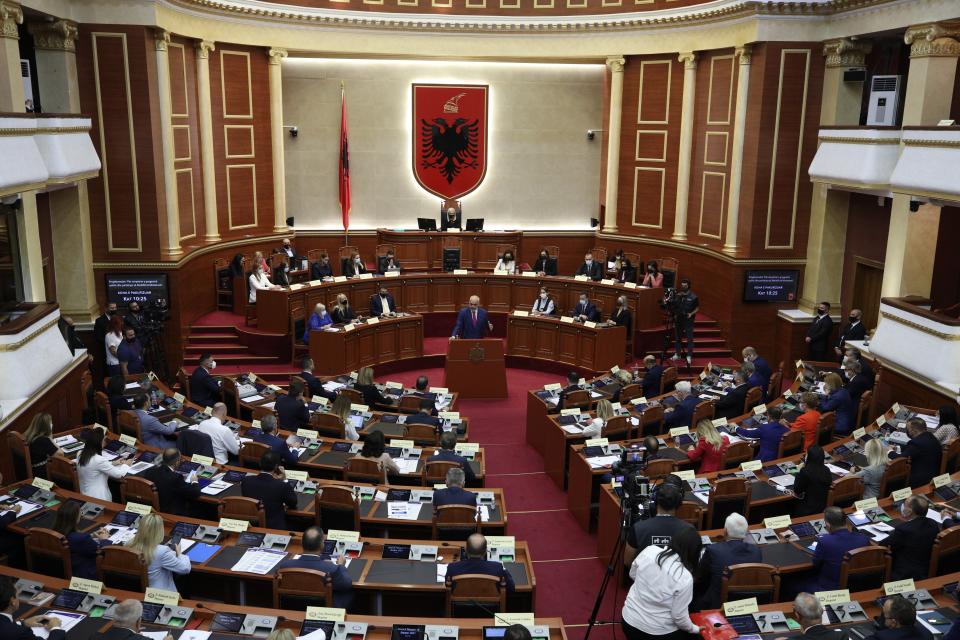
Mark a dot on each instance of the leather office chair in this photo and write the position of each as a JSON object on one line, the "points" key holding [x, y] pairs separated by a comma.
{"points": [[670, 268], [726, 496], [737, 453], [896, 476], [579, 398], [791, 443], [600, 255], [362, 470], [120, 567], [250, 454], [946, 553], [191, 442], [825, 428], [668, 380], [750, 580], [435, 471], [128, 424], [553, 251], [62, 473], [336, 508], [753, 398], [950, 460], [328, 424], [474, 595], [297, 588], [344, 253], [865, 568], [104, 414], [409, 404], [184, 380], [660, 468], [776, 382], [48, 552], [20, 453], [454, 522], [238, 508], [845, 491], [231, 398], [355, 396], [863, 408], [651, 421], [629, 392], [258, 412], [703, 410], [618, 428], [139, 490], [423, 435], [383, 249], [692, 513]]}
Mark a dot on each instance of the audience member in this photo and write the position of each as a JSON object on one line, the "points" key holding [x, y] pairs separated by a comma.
{"points": [[476, 562], [163, 561], [911, 541], [313, 557], [454, 492], [225, 442], [716, 557], [271, 488]]}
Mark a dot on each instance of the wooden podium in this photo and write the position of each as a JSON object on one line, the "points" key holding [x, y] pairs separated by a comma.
{"points": [[476, 368]]}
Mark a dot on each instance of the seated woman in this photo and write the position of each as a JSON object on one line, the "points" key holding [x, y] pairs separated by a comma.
{"points": [[259, 282], [93, 470], [341, 409], [39, 437], [342, 312], [622, 317], [812, 484], [354, 266], [237, 265], [626, 271], [371, 395], [259, 260], [614, 263], [506, 263], [872, 474], [83, 546], [946, 431], [838, 400], [321, 268], [596, 426], [543, 305], [710, 448], [162, 560], [318, 320], [622, 378], [545, 266], [808, 419], [375, 448], [653, 278]]}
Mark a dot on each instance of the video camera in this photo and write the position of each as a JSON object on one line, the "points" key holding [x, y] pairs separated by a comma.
{"points": [[638, 497], [671, 301]]}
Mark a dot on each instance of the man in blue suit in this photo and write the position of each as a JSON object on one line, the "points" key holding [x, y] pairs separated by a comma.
{"points": [[448, 441], [476, 562], [313, 558], [585, 310], [204, 388], [382, 303], [733, 550], [754, 379], [271, 488], [682, 414], [314, 384], [769, 434], [454, 493], [153, 432], [760, 365], [268, 436], [291, 409], [651, 379], [831, 548], [425, 416], [472, 322]]}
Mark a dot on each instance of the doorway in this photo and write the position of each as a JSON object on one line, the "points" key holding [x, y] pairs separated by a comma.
{"points": [[867, 283]]}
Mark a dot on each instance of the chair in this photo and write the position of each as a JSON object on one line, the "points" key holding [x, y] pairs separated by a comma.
{"points": [[790, 443], [668, 380], [618, 428], [754, 397], [946, 553], [435, 471], [636, 263], [355, 396], [362, 470], [20, 452], [703, 410], [249, 312], [296, 588], [552, 250], [660, 468], [736, 454], [184, 381], [750, 580], [825, 428], [600, 255], [250, 454], [238, 508], [865, 568], [120, 567], [409, 404], [476, 594], [298, 326], [579, 398], [231, 398], [104, 413], [776, 383], [258, 412], [630, 392], [845, 491], [863, 409], [128, 424], [328, 424], [503, 248], [454, 522], [62, 473], [896, 476], [383, 249], [422, 434], [726, 496], [48, 552], [651, 421], [336, 508], [670, 268], [139, 490], [692, 513], [191, 442], [950, 460]]}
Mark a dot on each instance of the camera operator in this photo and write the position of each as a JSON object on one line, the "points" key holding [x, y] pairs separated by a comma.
{"points": [[661, 528], [685, 309]]}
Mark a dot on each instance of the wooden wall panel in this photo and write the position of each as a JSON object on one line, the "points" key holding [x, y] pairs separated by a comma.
{"points": [[188, 165], [945, 284], [866, 240]]}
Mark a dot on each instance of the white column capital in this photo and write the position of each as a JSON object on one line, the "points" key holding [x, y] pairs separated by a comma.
{"points": [[934, 40], [60, 35], [844, 52], [161, 39], [745, 53], [204, 47], [616, 64], [11, 15], [689, 59], [277, 55]]}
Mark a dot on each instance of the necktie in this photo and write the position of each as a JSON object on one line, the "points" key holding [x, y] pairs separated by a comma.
{"points": [[474, 318]]}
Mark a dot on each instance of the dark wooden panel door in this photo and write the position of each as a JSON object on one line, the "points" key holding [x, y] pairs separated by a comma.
{"points": [[867, 281], [445, 295], [588, 349], [351, 352], [386, 342], [360, 298], [497, 292], [521, 337], [416, 296], [524, 292], [410, 339], [568, 344], [546, 340]]}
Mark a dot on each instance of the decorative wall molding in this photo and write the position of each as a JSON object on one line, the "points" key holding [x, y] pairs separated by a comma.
{"points": [[846, 53], [60, 35], [934, 40]]}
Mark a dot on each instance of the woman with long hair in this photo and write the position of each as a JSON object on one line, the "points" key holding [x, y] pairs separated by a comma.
{"points": [[371, 395], [83, 546], [342, 312], [39, 437], [653, 277], [112, 341], [93, 470], [237, 264], [375, 448], [872, 474], [711, 445], [162, 561], [259, 281], [341, 409], [812, 483], [604, 413], [946, 431]]}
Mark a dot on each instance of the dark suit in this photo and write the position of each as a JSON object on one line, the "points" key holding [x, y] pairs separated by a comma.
{"points": [[682, 413], [915, 632], [846, 415], [279, 446], [547, 267], [13, 631], [383, 265], [341, 316], [467, 328], [623, 318], [292, 413], [769, 434], [342, 582], [627, 274], [819, 333], [820, 632], [446, 223], [924, 452], [446, 455], [121, 633], [911, 544], [651, 381], [562, 397], [376, 305], [594, 271], [174, 492], [454, 495], [318, 271], [423, 418], [274, 494], [764, 370], [478, 565], [589, 309], [828, 557], [83, 554], [204, 388], [731, 404], [371, 395], [717, 556], [315, 386], [857, 385], [756, 380], [352, 268], [851, 332], [100, 327]]}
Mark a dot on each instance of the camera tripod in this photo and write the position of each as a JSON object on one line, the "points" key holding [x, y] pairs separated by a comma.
{"points": [[610, 573]]}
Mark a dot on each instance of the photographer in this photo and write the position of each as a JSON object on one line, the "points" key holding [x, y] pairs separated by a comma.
{"points": [[660, 529], [685, 306]]}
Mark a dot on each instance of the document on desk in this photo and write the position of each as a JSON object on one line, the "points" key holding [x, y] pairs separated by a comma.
{"points": [[316, 634], [840, 471], [601, 462], [331, 385], [64, 441], [194, 635], [68, 620], [131, 385], [140, 467], [259, 561], [572, 428], [703, 496], [154, 635], [877, 530], [407, 466], [120, 535], [784, 480], [25, 508], [595, 394], [484, 513], [254, 398], [269, 405], [215, 488], [442, 572], [403, 510]]}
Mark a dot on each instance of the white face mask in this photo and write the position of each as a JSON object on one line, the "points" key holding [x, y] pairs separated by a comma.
{"points": [[357, 260], [213, 364], [543, 296], [583, 302], [589, 262]]}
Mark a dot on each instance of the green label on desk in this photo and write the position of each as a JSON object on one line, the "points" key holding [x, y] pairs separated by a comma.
{"points": [[501, 541], [901, 494], [570, 412], [87, 586], [679, 431], [941, 480], [346, 536], [161, 596], [740, 607], [40, 483], [866, 503], [859, 433], [833, 597], [297, 475], [752, 465], [520, 313], [128, 440], [307, 433], [328, 614], [898, 586], [597, 442], [199, 459], [760, 409], [403, 444], [686, 474], [137, 508], [508, 619], [233, 526], [777, 522]]}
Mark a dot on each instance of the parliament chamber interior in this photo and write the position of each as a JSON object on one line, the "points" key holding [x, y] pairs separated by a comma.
{"points": [[479, 319]]}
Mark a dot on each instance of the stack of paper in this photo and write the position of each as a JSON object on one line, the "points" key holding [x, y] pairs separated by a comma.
{"points": [[407, 466], [25, 508], [121, 535], [259, 561], [68, 620], [784, 481], [331, 385], [703, 496], [441, 572], [602, 461], [215, 488], [572, 428], [877, 530], [254, 398]]}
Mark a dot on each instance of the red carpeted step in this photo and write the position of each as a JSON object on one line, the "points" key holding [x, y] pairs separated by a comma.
{"points": [[193, 358], [230, 329], [216, 348], [210, 338]]}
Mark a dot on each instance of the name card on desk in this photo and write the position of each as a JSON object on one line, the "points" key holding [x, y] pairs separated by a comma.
{"points": [[392, 274], [403, 444], [777, 522], [640, 400], [137, 508], [581, 278], [866, 503], [788, 394], [255, 424], [373, 320], [679, 431], [556, 386], [128, 440], [320, 400], [87, 586], [393, 385], [896, 407], [566, 319], [751, 465], [608, 281], [327, 614], [343, 536], [702, 375], [597, 442], [686, 474], [630, 285], [161, 596], [529, 274], [614, 369], [501, 541], [898, 586], [233, 526], [460, 272], [316, 283], [901, 494], [881, 420], [439, 390], [508, 619], [570, 412], [833, 597], [297, 475], [97, 425], [740, 607], [365, 276], [941, 480], [760, 409], [151, 375], [339, 278], [199, 459], [521, 314], [359, 408], [590, 324], [859, 433], [179, 397], [349, 327], [354, 375], [616, 406], [308, 433], [448, 415], [209, 410], [40, 483], [467, 446], [294, 287], [501, 272], [719, 422]]}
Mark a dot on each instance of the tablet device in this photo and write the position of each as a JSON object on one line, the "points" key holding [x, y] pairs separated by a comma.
{"points": [[227, 622], [396, 552], [408, 632]]}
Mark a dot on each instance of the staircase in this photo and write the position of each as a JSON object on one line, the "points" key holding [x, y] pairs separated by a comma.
{"points": [[232, 356], [709, 344]]}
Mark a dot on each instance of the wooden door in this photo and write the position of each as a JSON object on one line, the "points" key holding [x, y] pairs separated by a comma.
{"points": [[867, 281]]}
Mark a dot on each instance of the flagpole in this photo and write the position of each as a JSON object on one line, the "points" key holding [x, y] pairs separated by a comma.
{"points": [[346, 230]]}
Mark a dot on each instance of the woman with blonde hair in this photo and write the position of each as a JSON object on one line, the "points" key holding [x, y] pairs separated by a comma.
{"points": [[596, 426], [342, 312], [711, 445], [365, 385], [282, 634], [341, 409], [162, 561], [39, 437], [872, 474]]}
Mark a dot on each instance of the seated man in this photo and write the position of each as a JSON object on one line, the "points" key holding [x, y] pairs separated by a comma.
{"points": [[225, 442], [857, 381], [313, 557], [769, 434], [204, 388], [10, 629], [421, 387], [448, 442], [388, 262], [271, 488], [900, 621], [321, 268], [664, 526], [832, 546], [292, 412], [425, 415], [314, 384], [808, 612], [760, 366], [717, 556], [590, 268], [454, 493], [753, 377], [573, 384], [476, 562], [382, 303], [174, 492], [682, 414], [911, 541], [585, 310], [126, 622], [153, 433], [924, 451], [651, 379], [731, 404], [269, 437]]}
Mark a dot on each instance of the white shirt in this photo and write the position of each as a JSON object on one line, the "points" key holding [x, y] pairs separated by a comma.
{"points": [[594, 429], [257, 283], [385, 304], [542, 305], [112, 341], [93, 477], [223, 439], [509, 267], [657, 602]]}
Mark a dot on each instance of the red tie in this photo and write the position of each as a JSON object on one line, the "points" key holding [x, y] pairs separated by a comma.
{"points": [[474, 317]]}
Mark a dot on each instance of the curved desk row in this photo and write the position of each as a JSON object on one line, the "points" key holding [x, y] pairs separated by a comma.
{"points": [[368, 343]]}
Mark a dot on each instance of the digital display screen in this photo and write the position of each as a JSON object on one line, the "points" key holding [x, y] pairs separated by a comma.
{"points": [[309, 626], [396, 551], [770, 285], [229, 622], [142, 287], [408, 632]]}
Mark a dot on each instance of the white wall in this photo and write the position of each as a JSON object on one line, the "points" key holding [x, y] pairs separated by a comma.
{"points": [[542, 172]]}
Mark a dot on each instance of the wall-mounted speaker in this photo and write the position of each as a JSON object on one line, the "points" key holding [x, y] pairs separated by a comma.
{"points": [[855, 75], [290, 221]]}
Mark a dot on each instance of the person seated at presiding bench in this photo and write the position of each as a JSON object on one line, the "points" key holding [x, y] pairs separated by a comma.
{"points": [[10, 629], [924, 451], [425, 415], [899, 621], [585, 310], [544, 304], [271, 488], [651, 379], [627, 272], [545, 265], [590, 268], [808, 419], [711, 445], [731, 404], [321, 268], [314, 384], [454, 493], [732, 550], [507, 263], [838, 400], [387, 263], [318, 320], [447, 453], [342, 312], [268, 436], [682, 414], [225, 442], [292, 411], [258, 281], [476, 562], [812, 483], [204, 388], [653, 278], [174, 492], [660, 529], [313, 557], [383, 303], [622, 317], [153, 433], [127, 617], [769, 433], [371, 395], [83, 546], [354, 266], [832, 546], [911, 541]]}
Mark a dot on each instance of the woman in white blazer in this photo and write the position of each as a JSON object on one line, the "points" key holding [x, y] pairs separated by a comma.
{"points": [[93, 470]]}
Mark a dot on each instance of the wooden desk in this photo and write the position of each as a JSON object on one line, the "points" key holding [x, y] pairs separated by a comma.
{"points": [[367, 344], [550, 339], [424, 249]]}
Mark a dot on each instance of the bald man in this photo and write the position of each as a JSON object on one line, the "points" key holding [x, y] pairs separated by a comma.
{"points": [[472, 322]]}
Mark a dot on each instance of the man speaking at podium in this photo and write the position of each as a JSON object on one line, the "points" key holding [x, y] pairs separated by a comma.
{"points": [[472, 322]]}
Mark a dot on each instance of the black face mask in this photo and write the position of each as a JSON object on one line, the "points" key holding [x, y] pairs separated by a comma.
{"points": [[852, 319], [111, 312]]}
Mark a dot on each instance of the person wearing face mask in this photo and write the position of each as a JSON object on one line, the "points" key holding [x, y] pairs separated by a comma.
{"points": [[204, 388], [451, 220], [622, 317], [130, 353], [291, 254], [354, 266], [627, 272], [911, 541], [388, 262], [812, 483], [838, 400], [807, 421], [688, 305], [134, 318], [924, 450], [898, 621], [342, 311], [102, 324], [543, 305], [318, 320], [383, 303], [857, 382], [946, 431], [321, 268], [818, 335], [853, 354], [506, 263], [545, 265], [585, 310], [853, 330], [590, 268], [652, 278], [259, 282], [761, 367]]}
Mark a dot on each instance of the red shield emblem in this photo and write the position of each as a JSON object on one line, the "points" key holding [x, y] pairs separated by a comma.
{"points": [[449, 138]]}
